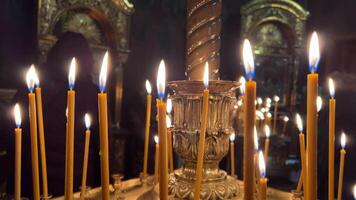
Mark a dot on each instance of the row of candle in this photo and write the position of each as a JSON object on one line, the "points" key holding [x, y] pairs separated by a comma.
{"points": [[35, 110]]}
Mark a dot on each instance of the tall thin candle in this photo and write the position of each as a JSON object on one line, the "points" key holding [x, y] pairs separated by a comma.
{"points": [[169, 141], [268, 133], [147, 126], [302, 152], [332, 105], [18, 136], [263, 180], [156, 159], [232, 154], [276, 100], [342, 164], [87, 121]]}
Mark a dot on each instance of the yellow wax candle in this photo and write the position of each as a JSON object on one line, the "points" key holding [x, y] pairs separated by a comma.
{"points": [[156, 159], [263, 179], [232, 154], [170, 147], [268, 133], [342, 164], [70, 134], [18, 136], [276, 100], [30, 79], [249, 123], [201, 144], [332, 104], [38, 93], [302, 180], [162, 133], [86, 154], [66, 151], [103, 129], [147, 126], [312, 119]]}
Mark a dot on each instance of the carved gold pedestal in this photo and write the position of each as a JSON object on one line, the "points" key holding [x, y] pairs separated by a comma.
{"points": [[187, 100]]}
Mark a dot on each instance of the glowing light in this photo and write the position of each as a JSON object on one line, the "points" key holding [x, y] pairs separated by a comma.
{"points": [[169, 105], [156, 139], [242, 85], [261, 164], [206, 76], [276, 98], [319, 103], [36, 79], [168, 121], [255, 136], [331, 88], [343, 140], [299, 122], [232, 137], [239, 102], [268, 100], [161, 79], [354, 191], [103, 72], [87, 120], [267, 131], [260, 115], [314, 54], [248, 59], [17, 115], [269, 115], [148, 87], [236, 107], [259, 101], [263, 110], [72, 73], [285, 119], [31, 78]]}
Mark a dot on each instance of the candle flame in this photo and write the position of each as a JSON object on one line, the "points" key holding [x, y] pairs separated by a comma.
{"points": [[87, 120], [17, 114], [103, 72], [168, 121], [72, 73], [259, 101], [314, 54], [232, 137], [276, 98], [161, 79], [354, 191], [285, 119], [169, 105], [269, 115], [31, 78], [268, 100], [319, 103], [206, 75], [242, 85], [261, 164], [239, 102], [248, 59], [267, 131], [255, 136], [148, 87], [343, 140], [156, 139], [331, 88], [299, 122], [36, 79], [259, 115]]}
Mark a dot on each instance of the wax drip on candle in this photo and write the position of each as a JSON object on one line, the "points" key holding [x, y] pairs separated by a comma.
{"points": [[148, 87], [255, 136], [232, 137], [331, 88], [261, 164], [161, 79], [72, 73], [103, 72], [169, 105], [299, 122], [17, 115], [156, 139], [206, 75], [248, 59], [242, 81], [31, 78], [319, 103], [87, 120], [314, 54], [343, 140], [267, 131]]}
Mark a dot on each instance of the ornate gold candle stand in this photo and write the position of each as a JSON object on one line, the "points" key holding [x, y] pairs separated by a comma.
{"points": [[187, 100]]}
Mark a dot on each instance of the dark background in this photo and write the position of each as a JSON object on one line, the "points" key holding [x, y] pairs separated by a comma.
{"points": [[158, 31]]}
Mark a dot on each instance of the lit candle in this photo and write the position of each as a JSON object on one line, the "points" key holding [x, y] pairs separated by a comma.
{"points": [[70, 134], [232, 154], [169, 141], [38, 92], [87, 121], [249, 122], [30, 79], [156, 159], [147, 126], [302, 153], [285, 120], [18, 136], [268, 133], [256, 166], [201, 147], [354, 192], [263, 179], [268, 119], [319, 103], [342, 163], [162, 133], [276, 100], [312, 118], [332, 104], [103, 129]]}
